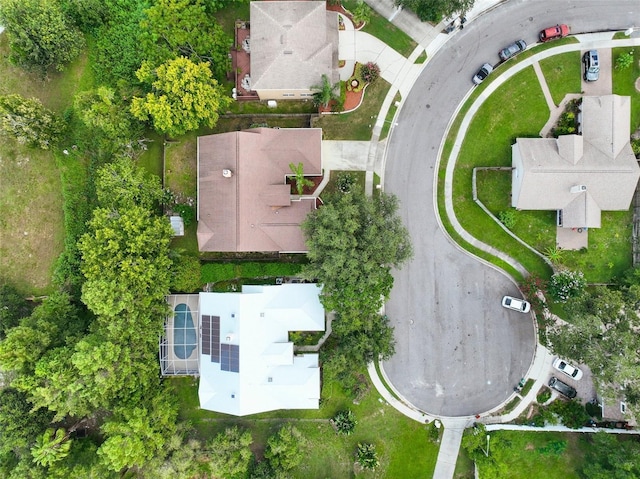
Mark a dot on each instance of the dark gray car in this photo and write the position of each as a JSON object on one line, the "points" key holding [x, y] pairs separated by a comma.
{"points": [[562, 388], [512, 50]]}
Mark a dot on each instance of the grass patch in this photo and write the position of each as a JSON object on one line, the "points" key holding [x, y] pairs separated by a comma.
{"points": [[515, 110], [226, 17], [385, 31], [624, 82], [388, 121], [332, 187], [402, 443], [464, 466], [358, 124], [181, 165], [283, 107], [421, 58], [31, 224], [527, 387], [562, 73], [511, 405], [151, 159], [524, 458]]}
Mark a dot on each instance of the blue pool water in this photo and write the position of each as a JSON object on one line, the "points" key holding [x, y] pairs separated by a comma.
{"points": [[184, 332]]}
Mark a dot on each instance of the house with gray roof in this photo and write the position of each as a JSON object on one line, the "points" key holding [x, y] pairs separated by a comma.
{"points": [[292, 44], [579, 176], [244, 202]]}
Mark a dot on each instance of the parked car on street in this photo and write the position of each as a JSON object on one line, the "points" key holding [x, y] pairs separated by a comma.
{"points": [[512, 50], [553, 33], [562, 388], [591, 62], [564, 367], [483, 73], [516, 304]]}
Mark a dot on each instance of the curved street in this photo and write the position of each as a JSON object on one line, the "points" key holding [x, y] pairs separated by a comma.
{"points": [[458, 352]]}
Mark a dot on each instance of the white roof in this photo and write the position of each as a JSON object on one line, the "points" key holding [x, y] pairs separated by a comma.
{"points": [[269, 376]]}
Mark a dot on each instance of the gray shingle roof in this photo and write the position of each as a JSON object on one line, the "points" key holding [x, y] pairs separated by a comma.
{"points": [[293, 43], [601, 162]]}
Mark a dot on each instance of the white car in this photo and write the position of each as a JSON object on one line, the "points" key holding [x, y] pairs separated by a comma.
{"points": [[516, 304], [484, 72], [564, 367]]}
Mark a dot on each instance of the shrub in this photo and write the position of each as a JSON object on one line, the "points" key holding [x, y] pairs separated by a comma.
{"points": [[624, 60], [635, 146], [186, 277], [566, 284], [433, 433], [508, 218], [571, 413], [370, 72], [345, 181], [543, 396], [187, 212], [361, 13], [345, 422], [367, 456], [553, 448]]}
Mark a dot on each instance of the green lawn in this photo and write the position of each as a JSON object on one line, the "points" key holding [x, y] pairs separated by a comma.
{"points": [[402, 444], [624, 82], [386, 31], [523, 459], [562, 73], [516, 109], [331, 187], [356, 125], [31, 199], [151, 160]]}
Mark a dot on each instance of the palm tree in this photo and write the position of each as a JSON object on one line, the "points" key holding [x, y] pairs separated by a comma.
{"points": [[301, 181], [324, 93], [51, 447]]}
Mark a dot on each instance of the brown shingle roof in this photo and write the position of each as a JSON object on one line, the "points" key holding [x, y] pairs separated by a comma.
{"points": [[254, 210], [547, 170], [293, 43]]}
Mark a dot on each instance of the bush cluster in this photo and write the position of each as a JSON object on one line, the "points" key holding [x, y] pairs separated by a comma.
{"points": [[214, 272], [566, 284]]}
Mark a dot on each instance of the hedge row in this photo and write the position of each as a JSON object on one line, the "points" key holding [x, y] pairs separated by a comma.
{"points": [[214, 272]]}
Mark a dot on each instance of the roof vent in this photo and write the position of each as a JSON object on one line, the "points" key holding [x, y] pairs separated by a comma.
{"points": [[578, 188], [288, 52], [270, 379], [227, 173]]}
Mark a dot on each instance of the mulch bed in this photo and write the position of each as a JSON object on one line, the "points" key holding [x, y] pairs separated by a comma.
{"points": [[352, 100]]}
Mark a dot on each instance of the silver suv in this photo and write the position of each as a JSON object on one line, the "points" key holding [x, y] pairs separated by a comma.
{"points": [[591, 65], [562, 388]]}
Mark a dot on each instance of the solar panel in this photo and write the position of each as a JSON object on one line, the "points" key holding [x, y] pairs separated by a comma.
{"points": [[215, 340], [230, 358], [206, 334]]}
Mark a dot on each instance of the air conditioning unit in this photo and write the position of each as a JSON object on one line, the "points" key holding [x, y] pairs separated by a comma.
{"points": [[578, 188]]}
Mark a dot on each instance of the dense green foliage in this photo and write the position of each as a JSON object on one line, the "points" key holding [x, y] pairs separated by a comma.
{"points": [[367, 456], [284, 451], [345, 422], [174, 28], [214, 272], [602, 332], [184, 95], [13, 307], [612, 458], [435, 10], [353, 243], [41, 36], [29, 122], [233, 455]]}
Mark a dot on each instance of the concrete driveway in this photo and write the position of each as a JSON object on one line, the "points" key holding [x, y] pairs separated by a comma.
{"points": [[604, 84]]}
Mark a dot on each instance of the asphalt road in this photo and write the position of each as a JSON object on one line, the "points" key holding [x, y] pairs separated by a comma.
{"points": [[458, 351]]}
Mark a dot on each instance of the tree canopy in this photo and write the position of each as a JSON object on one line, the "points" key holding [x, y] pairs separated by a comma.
{"points": [[41, 36], [29, 122], [602, 332], [184, 95], [174, 28], [353, 243], [435, 10]]}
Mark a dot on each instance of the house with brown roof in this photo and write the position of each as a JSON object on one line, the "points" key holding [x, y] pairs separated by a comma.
{"points": [[579, 176], [244, 203], [293, 43]]}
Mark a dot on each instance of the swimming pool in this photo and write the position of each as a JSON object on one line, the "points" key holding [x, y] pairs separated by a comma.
{"points": [[185, 338]]}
